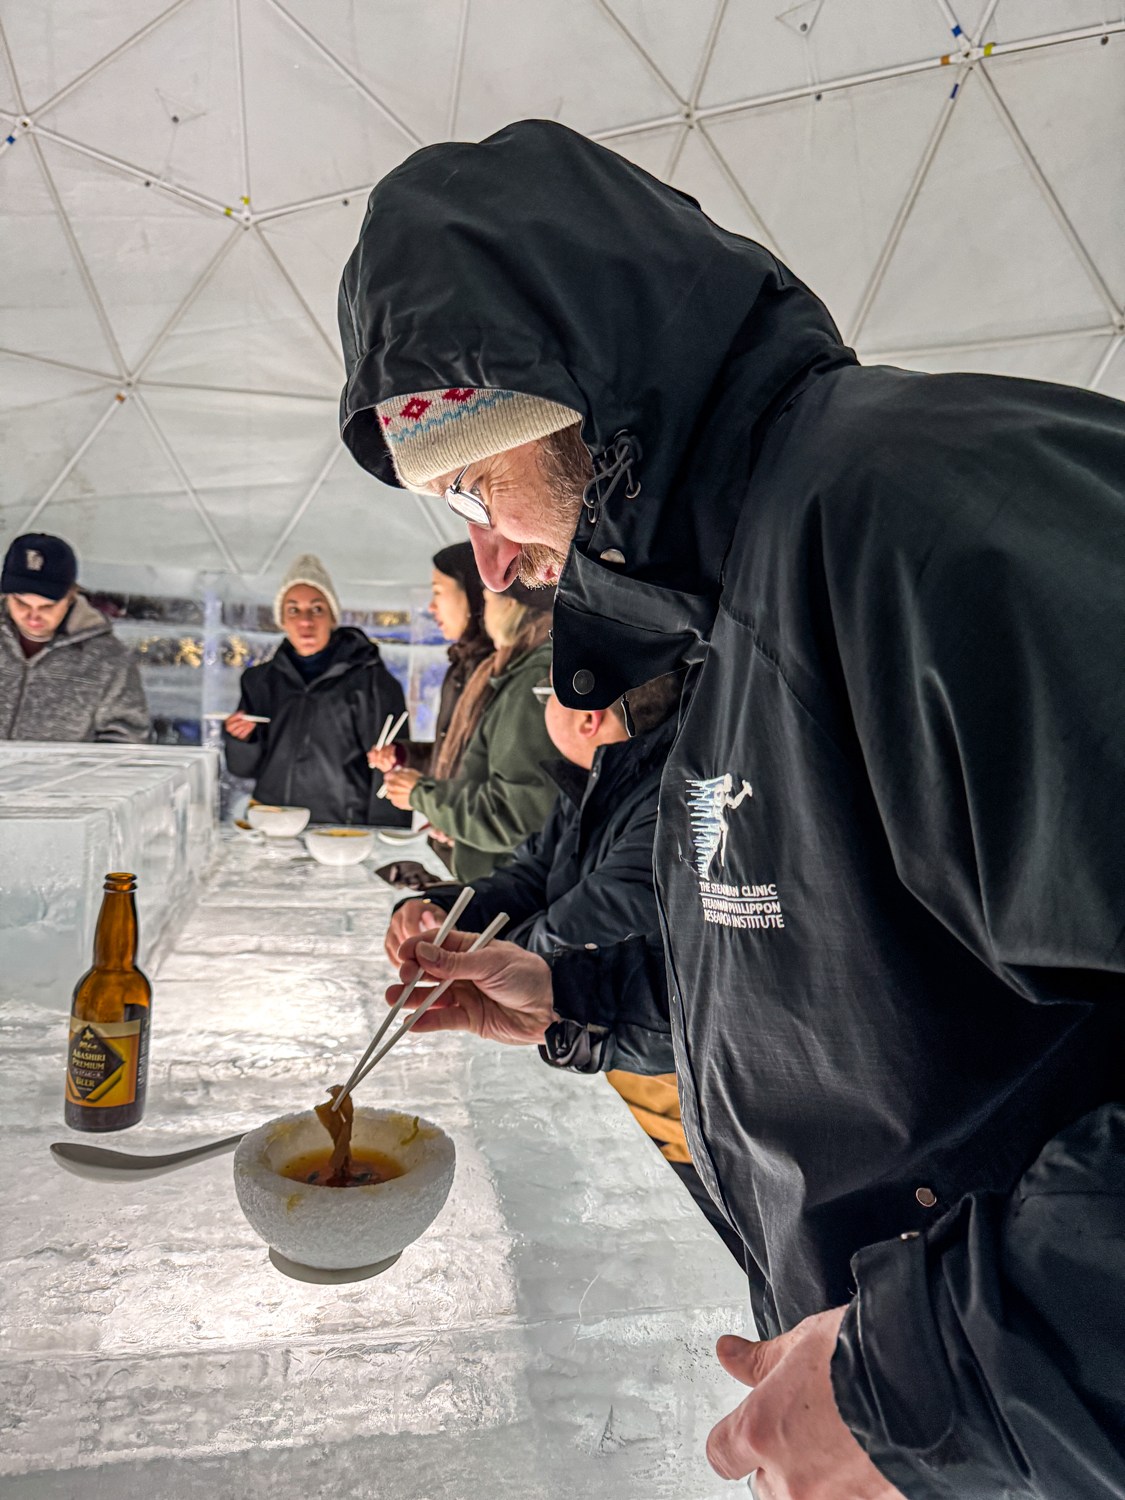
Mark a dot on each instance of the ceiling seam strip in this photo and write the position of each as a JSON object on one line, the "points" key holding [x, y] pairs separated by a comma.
{"points": [[345, 72], [80, 260], [1047, 192], [112, 56], [954, 25], [906, 208], [985, 21], [104, 377], [323, 200], [854, 80], [186, 484], [128, 169], [65, 472], [240, 76], [239, 390], [192, 293], [642, 52], [458, 71], [710, 41], [728, 172], [11, 62], [314, 321], [973, 346], [298, 514]]}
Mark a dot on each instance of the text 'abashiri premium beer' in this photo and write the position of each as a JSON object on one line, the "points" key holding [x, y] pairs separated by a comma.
{"points": [[107, 1054]]}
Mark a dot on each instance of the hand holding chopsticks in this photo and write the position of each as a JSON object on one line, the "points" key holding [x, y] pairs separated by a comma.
{"points": [[387, 736], [442, 933]]}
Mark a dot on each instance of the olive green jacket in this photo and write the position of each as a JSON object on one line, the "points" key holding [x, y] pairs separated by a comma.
{"points": [[501, 792]]}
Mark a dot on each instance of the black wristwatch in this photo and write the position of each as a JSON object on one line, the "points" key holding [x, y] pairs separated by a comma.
{"points": [[581, 1049]]}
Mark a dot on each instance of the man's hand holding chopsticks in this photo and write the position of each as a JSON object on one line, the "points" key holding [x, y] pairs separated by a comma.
{"points": [[501, 993]]}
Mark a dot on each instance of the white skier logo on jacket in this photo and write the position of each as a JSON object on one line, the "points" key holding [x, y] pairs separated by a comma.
{"points": [[709, 803]]}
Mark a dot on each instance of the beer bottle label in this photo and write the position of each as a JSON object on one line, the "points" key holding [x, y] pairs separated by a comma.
{"points": [[101, 1068]]}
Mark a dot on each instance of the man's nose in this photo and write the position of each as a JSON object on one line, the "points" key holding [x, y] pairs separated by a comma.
{"points": [[495, 556]]}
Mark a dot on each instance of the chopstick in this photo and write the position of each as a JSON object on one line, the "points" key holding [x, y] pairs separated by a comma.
{"points": [[386, 739], [485, 938], [442, 933]]}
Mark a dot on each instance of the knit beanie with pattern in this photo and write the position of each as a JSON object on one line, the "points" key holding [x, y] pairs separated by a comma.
{"points": [[307, 569], [433, 432]]}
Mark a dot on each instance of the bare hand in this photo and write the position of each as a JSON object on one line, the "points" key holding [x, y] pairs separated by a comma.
{"points": [[399, 785], [383, 760], [410, 919], [239, 725], [502, 993], [789, 1429]]}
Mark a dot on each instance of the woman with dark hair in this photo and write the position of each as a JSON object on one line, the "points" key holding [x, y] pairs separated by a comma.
{"points": [[498, 742], [457, 607]]}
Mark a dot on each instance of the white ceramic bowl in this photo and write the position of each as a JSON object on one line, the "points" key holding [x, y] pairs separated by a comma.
{"points": [[339, 846], [339, 1229], [278, 822]]}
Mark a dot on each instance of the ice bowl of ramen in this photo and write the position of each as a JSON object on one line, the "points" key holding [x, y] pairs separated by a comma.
{"points": [[278, 822], [339, 846], [348, 1211]]}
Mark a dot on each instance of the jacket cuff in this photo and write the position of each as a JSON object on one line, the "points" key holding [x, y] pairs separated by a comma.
{"points": [[893, 1384], [420, 793]]}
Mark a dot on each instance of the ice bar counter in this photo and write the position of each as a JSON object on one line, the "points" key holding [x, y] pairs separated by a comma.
{"points": [[70, 813], [550, 1334]]}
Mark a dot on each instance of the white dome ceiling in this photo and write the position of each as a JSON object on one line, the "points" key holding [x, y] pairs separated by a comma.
{"points": [[181, 184]]}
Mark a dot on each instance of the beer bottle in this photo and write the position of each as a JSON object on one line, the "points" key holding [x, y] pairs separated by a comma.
{"points": [[107, 1055]]}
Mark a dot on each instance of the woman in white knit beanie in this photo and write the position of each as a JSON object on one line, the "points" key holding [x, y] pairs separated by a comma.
{"points": [[325, 694]]}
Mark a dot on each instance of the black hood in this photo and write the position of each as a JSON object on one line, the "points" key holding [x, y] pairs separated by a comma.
{"points": [[541, 262]]}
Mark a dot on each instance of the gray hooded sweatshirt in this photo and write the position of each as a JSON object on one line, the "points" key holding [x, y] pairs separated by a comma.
{"points": [[81, 686]]}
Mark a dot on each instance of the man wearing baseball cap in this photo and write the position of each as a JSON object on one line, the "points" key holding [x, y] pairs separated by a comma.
{"points": [[63, 675]]}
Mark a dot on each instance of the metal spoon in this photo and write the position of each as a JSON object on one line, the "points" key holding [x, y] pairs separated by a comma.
{"points": [[100, 1163]]}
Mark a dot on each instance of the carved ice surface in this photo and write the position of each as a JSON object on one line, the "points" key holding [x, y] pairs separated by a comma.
{"points": [[69, 814], [550, 1334]]}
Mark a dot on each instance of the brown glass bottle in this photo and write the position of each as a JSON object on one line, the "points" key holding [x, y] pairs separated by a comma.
{"points": [[107, 1051]]}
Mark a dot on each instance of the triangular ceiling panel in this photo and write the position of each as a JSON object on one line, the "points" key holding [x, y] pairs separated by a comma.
{"points": [[44, 416], [1008, 271], [123, 499], [653, 150], [847, 160], [567, 63], [145, 248], [247, 329], [1059, 114], [1070, 360], [55, 43], [44, 306], [368, 534], [313, 246], [761, 52], [170, 104], [674, 37], [9, 94], [250, 440], [406, 53], [288, 81], [250, 518], [700, 174]]}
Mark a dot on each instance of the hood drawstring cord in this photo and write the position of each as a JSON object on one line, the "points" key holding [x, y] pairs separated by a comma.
{"points": [[615, 461]]}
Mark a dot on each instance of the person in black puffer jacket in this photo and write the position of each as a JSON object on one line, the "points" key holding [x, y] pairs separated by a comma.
{"points": [[326, 694]]}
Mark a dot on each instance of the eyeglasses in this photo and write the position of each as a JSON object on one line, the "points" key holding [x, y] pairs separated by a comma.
{"points": [[468, 503], [544, 691]]}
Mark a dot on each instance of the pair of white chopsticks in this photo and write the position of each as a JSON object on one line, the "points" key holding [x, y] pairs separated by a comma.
{"points": [[387, 737], [367, 1061]]}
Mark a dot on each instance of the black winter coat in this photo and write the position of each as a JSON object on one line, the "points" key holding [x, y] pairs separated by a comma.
{"points": [[587, 878], [891, 854], [313, 752]]}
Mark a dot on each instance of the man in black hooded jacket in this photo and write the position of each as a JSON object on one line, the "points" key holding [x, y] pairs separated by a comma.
{"points": [[889, 863]]}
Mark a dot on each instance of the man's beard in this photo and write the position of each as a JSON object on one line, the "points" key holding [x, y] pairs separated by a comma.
{"points": [[567, 468]]}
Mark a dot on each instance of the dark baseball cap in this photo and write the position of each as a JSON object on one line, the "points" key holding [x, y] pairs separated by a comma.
{"points": [[39, 564]]}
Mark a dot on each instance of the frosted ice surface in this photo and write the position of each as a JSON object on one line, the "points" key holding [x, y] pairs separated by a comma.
{"points": [[551, 1332], [69, 813]]}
